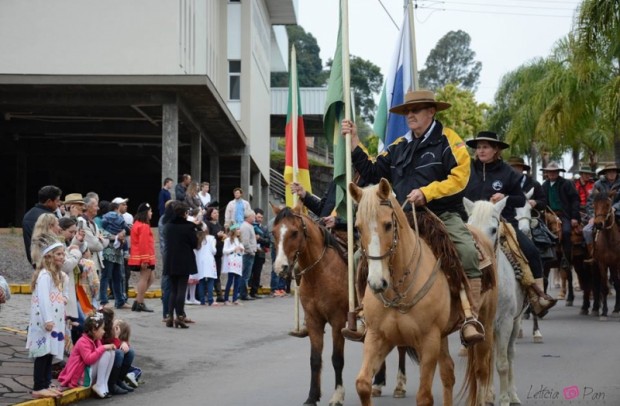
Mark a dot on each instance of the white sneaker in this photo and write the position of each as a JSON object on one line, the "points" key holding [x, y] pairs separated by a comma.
{"points": [[131, 380]]}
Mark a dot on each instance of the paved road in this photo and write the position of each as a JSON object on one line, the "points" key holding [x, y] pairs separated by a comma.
{"points": [[242, 355]]}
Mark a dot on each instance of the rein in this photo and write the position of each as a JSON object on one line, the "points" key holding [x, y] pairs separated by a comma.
{"points": [[607, 216], [397, 301], [298, 252]]}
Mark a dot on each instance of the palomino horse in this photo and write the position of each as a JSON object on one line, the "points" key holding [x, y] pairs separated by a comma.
{"points": [[409, 302], [606, 253], [524, 219], [323, 294], [511, 302], [307, 251]]}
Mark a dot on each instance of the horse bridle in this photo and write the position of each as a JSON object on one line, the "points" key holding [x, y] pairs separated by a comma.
{"points": [[397, 302], [298, 251], [607, 216]]}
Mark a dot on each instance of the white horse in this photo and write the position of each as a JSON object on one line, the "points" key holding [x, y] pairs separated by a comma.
{"points": [[486, 216], [524, 217]]}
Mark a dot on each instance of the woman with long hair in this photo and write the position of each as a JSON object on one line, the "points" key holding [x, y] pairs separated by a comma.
{"points": [[191, 196], [142, 254]]}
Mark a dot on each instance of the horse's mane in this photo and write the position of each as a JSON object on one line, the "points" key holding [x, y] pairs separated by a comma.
{"points": [[482, 210], [601, 196], [287, 212]]}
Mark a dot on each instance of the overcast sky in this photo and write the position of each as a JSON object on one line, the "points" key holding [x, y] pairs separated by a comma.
{"points": [[504, 33]]}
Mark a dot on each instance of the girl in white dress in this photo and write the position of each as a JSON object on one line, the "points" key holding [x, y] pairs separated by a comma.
{"points": [[205, 261], [232, 263], [46, 331]]}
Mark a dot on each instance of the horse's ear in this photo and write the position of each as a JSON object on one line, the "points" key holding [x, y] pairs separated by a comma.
{"points": [[356, 192], [385, 189], [499, 206], [469, 206], [275, 209], [529, 194]]}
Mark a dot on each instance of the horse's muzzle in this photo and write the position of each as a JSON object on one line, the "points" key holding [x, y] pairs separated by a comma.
{"points": [[598, 226], [378, 287]]}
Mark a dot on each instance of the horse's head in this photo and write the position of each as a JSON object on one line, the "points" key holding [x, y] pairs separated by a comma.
{"points": [[289, 232], [524, 215], [603, 213], [485, 216], [378, 218]]}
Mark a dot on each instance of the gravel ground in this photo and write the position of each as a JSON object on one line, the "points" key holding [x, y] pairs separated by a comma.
{"points": [[15, 268]]}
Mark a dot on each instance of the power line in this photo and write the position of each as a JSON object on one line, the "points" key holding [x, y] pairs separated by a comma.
{"points": [[495, 12], [389, 15]]}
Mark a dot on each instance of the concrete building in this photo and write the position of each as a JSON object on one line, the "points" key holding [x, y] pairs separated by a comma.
{"points": [[115, 96]]}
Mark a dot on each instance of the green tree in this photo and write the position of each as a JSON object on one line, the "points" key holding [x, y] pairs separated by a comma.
{"points": [[465, 116], [598, 36], [451, 61], [366, 82], [309, 63]]}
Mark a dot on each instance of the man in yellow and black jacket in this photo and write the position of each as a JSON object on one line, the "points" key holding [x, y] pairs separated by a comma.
{"points": [[428, 166]]}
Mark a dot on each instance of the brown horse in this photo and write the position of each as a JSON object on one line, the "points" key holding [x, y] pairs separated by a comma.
{"points": [[606, 253], [409, 302], [562, 262], [307, 251]]}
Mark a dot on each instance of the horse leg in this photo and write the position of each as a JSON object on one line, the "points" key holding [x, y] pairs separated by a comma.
{"points": [[375, 351], [616, 282], [503, 331], [512, 387], [583, 276], [379, 381], [537, 336], [338, 363], [429, 354], [596, 291], [604, 290], [446, 370], [401, 377], [316, 332], [569, 282]]}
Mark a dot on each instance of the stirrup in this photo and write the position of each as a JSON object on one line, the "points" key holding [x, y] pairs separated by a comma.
{"points": [[477, 325], [301, 333], [357, 335]]}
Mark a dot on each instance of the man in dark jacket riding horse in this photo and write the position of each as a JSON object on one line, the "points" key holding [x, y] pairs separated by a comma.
{"points": [[428, 166]]}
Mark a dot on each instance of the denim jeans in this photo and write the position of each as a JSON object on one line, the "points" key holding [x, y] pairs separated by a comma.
{"points": [[277, 283], [248, 262], [234, 282], [165, 293], [111, 272], [208, 283], [122, 361]]}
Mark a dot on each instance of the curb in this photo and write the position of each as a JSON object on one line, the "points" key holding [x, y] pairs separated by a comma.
{"points": [[68, 397], [151, 294]]}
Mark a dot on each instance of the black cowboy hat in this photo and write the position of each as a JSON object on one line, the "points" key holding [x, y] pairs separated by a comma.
{"points": [[488, 136], [416, 97]]}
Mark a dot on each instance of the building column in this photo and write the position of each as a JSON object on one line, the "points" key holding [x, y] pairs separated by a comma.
{"points": [[256, 190], [244, 181], [265, 202], [214, 177], [196, 157], [170, 144]]}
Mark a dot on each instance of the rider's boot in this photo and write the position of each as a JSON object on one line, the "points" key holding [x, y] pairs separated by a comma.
{"points": [[360, 331], [470, 333], [540, 301]]}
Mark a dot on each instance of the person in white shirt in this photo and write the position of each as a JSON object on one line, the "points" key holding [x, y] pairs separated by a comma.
{"points": [[204, 195]]}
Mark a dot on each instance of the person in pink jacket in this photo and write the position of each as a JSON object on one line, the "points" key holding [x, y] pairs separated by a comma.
{"points": [[90, 352]]}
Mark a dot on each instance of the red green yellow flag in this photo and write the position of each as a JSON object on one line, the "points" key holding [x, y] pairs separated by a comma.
{"points": [[296, 167]]}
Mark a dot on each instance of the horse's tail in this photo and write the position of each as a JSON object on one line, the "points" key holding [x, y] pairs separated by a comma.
{"points": [[478, 372], [413, 355]]}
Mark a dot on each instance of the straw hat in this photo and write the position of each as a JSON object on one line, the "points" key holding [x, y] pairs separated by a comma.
{"points": [[487, 136], [607, 168], [518, 161], [74, 198], [417, 97], [553, 166]]}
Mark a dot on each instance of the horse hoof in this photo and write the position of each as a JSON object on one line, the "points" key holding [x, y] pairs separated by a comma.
{"points": [[569, 303], [338, 403], [376, 392], [615, 315], [537, 340], [602, 318], [583, 312], [399, 393]]}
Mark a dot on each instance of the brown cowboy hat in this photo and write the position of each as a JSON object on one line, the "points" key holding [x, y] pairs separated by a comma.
{"points": [[488, 136], [74, 198], [553, 166], [586, 169], [518, 161], [417, 97], [607, 168]]}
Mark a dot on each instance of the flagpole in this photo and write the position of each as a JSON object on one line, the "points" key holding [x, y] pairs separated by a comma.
{"points": [[295, 118], [414, 66], [346, 84]]}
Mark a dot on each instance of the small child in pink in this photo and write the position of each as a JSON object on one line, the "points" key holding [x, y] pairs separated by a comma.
{"points": [[90, 352]]}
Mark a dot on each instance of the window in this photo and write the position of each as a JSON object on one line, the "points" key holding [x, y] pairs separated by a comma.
{"points": [[234, 83]]}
